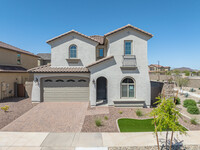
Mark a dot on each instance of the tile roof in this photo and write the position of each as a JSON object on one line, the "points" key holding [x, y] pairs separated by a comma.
{"points": [[128, 26], [49, 69], [155, 65], [100, 61], [158, 66], [5, 68], [45, 56], [72, 31], [13, 48], [99, 38]]}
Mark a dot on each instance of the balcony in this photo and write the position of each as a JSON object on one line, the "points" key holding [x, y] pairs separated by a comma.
{"points": [[129, 62]]}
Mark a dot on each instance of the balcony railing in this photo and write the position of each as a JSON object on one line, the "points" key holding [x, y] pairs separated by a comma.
{"points": [[129, 61]]}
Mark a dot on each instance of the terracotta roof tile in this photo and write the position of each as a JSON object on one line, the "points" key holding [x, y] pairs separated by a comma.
{"points": [[45, 56], [72, 31], [100, 61], [129, 26], [49, 69], [98, 38], [13, 48]]}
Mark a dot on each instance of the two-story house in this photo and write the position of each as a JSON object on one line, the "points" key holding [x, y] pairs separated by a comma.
{"points": [[14, 63], [44, 59], [110, 69]]}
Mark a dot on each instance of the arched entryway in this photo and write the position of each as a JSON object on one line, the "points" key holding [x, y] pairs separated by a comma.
{"points": [[102, 90]]}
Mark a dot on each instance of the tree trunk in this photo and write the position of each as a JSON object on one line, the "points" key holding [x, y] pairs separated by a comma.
{"points": [[171, 141], [156, 134], [166, 138]]}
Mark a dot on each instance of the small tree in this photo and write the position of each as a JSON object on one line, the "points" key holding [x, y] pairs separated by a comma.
{"points": [[177, 72], [166, 118], [187, 73], [182, 82]]}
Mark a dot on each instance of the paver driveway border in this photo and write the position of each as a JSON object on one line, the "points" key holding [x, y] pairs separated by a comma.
{"points": [[51, 117]]}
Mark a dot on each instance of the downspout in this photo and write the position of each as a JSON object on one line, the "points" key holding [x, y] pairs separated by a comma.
{"points": [[1, 91]]}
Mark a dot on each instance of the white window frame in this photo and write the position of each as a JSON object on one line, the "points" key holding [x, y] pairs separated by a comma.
{"points": [[131, 41], [128, 84], [70, 51]]}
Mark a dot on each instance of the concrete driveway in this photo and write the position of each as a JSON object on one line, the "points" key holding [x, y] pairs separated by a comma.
{"points": [[51, 117]]}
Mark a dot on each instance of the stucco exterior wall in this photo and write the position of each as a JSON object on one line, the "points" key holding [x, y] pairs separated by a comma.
{"points": [[114, 74], [9, 79], [86, 50], [9, 57]]}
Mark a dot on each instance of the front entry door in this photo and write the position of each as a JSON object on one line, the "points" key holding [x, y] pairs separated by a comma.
{"points": [[101, 88]]}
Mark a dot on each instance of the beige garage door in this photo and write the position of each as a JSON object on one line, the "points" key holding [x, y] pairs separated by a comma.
{"points": [[65, 89]]}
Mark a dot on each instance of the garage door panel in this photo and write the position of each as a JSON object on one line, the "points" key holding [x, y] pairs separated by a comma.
{"points": [[63, 91]]}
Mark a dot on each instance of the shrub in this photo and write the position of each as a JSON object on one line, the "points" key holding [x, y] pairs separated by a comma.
{"points": [[186, 95], [120, 112], [189, 102], [98, 122], [192, 90], [106, 117], [199, 88], [193, 121], [177, 100], [139, 113], [193, 109], [5, 108]]}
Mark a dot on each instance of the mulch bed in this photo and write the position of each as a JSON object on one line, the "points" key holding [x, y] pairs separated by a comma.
{"points": [[110, 125], [17, 107]]}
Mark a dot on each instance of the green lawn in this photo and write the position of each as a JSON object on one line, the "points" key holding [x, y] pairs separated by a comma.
{"points": [[135, 125]]}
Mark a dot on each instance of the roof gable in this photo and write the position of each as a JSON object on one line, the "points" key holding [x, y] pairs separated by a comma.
{"points": [[73, 31], [128, 26], [13, 48]]}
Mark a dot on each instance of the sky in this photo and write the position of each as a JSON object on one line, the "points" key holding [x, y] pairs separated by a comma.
{"points": [[175, 24]]}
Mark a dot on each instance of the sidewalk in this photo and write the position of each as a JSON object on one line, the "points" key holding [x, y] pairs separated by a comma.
{"points": [[79, 141]]}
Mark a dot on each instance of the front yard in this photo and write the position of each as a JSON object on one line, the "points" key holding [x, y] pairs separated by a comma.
{"points": [[109, 120], [96, 119], [17, 107]]}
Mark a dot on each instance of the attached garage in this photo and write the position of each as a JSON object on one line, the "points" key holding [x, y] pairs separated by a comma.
{"points": [[69, 89]]}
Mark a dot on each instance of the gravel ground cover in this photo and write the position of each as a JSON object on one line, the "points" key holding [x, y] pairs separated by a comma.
{"points": [[17, 107], [181, 147]]}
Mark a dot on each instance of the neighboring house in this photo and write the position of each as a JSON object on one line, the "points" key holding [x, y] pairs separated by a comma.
{"points": [[110, 69], [153, 68], [44, 59], [14, 63]]}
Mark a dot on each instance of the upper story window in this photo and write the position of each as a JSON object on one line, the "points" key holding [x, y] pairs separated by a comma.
{"points": [[73, 51], [127, 47], [19, 59], [100, 53]]}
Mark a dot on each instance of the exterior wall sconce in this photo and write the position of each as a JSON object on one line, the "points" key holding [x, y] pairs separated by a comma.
{"points": [[93, 81], [36, 81]]}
